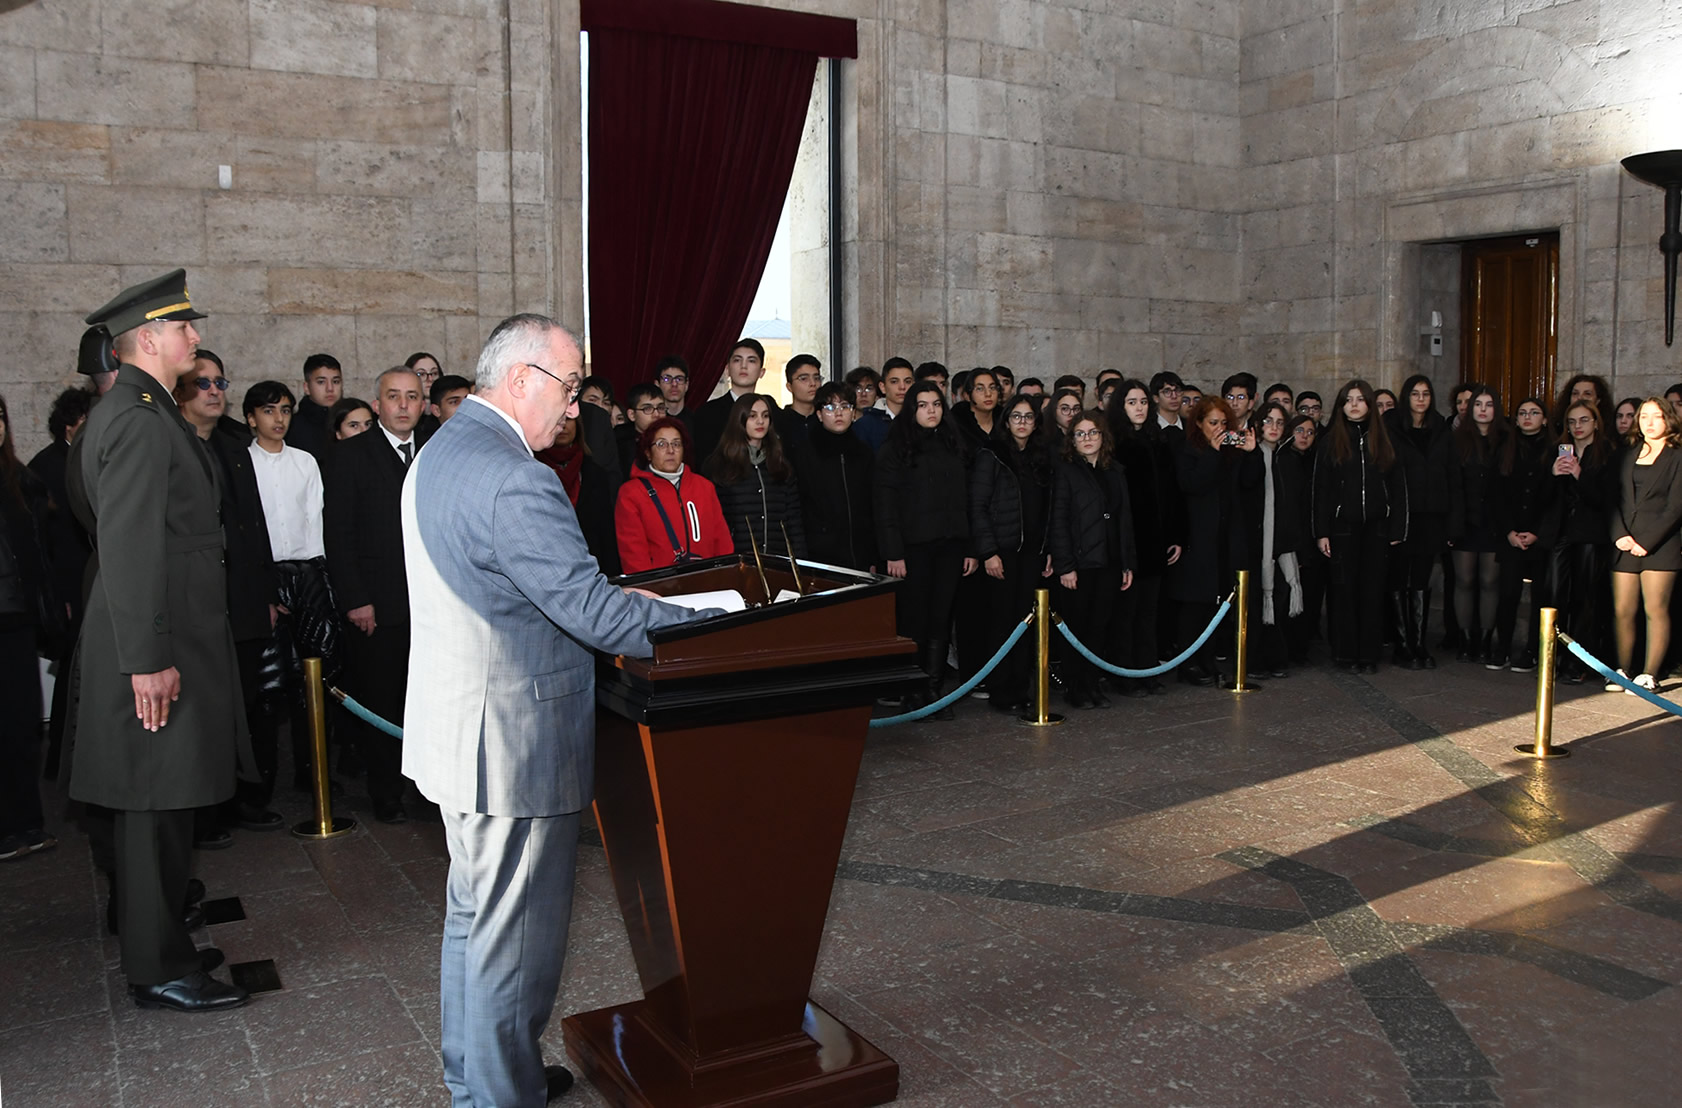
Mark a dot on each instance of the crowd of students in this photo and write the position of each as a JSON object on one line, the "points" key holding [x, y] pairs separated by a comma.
{"points": [[1136, 505]]}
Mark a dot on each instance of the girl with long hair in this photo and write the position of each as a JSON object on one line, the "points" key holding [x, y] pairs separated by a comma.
{"points": [[755, 482], [1092, 547], [1159, 530], [1285, 489], [1473, 527], [922, 524], [1009, 509], [1360, 511], [1645, 532], [1419, 434], [1524, 499], [1585, 479]]}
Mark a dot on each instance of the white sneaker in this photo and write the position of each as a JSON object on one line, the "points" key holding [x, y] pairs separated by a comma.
{"points": [[1613, 686], [1646, 681]]}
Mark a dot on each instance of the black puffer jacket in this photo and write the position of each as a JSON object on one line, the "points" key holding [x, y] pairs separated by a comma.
{"points": [[763, 503], [1357, 491], [1159, 512], [922, 498], [835, 477], [1009, 498], [1091, 518]]}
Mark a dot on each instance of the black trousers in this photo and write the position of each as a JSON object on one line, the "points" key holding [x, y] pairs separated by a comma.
{"points": [[1008, 600], [20, 732], [377, 675], [1411, 562], [1133, 632], [932, 571], [1090, 615], [972, 625], [1580, 586], [1359, 558], [152, 853], [1303, 629]]}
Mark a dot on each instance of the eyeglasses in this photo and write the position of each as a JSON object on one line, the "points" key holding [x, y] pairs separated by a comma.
{"points": [[1235, 397], [1273, 421], [984, 390], [1088, 433], [667, 444], [837, 407], [1068, 409], [673, 379], [1021, 417], [568, 390], [652, 409], [205, 383], [808, 378]]}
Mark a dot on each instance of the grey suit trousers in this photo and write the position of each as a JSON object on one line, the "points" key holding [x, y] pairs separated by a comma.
{"points": [[505, 933]]}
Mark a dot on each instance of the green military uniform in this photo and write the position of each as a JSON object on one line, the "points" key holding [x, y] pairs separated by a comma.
{"points": [[158, 600]]}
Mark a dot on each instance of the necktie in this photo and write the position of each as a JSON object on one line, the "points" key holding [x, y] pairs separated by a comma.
{"points": [[407, 449]]}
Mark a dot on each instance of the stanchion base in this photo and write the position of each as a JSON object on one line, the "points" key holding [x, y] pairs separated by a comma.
{"points": [[1229, 686], [1549, 752], [1052, 719], [311, 828]]}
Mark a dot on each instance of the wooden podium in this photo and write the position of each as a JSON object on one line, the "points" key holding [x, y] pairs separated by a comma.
{"points": [[725, 768]]}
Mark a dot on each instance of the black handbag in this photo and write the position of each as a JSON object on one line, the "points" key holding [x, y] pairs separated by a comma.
{"points": [[680, 553]]}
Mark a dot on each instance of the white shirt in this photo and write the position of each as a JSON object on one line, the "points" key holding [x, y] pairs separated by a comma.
{"points": [[504, 416], [1160, 422], [289, 484], [397, 444]]}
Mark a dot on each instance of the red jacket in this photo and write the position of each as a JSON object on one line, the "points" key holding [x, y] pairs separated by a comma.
{"points": [[694, 512]]}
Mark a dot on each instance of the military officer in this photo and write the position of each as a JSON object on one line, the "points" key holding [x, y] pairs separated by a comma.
{"points": [[158, 717]]}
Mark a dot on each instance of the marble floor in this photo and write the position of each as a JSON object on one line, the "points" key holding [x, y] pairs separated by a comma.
{"points": [[1337, 890]]}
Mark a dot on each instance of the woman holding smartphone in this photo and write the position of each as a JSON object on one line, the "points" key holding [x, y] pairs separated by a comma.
{"points": [[1645, 533], [1585, 479]]}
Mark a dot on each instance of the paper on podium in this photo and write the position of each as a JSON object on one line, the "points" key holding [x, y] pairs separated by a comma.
{"points": [[728, 599]]}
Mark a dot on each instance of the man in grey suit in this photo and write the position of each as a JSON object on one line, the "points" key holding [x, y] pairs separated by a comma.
{"points": [[500, 714]]}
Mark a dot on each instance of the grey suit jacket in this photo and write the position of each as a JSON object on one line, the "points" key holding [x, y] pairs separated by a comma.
{"points": [[506, 608]]}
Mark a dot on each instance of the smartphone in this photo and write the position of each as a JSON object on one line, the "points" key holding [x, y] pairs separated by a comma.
{"points": [[1566, 450]]}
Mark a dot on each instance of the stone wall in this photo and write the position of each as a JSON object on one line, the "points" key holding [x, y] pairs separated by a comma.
{"points": [[1372, 129], [391, 188], [1058, 185]]}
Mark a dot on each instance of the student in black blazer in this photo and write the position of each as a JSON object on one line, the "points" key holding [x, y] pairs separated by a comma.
{"points": [[364, 535], [1645, 530]]}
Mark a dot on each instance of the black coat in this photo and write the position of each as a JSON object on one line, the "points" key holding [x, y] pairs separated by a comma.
{"points": [[252, 582], [67, 544], [1290, 501], [1472, 523], [922, 498], [27, 589], [1584, 504], [1424, 454], [363, 527], [1524, 496], [1214, 484], [835, 475], [310, 430], [1091, 518], [1356, 491], [763, 503], [1159, 514], [1009, 501], [598, 493], [1652, 518]]}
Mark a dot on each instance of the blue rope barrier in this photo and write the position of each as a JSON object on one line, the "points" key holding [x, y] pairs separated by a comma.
{"points": [[366, 716], [963, 690], [1611, 675], [1154, 671]]}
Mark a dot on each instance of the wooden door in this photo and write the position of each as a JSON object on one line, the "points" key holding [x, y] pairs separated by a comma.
{"points": [[1509, 290]]}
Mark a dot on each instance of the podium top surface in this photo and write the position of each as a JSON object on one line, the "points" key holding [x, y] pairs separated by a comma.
{"points": [[841, 614]]}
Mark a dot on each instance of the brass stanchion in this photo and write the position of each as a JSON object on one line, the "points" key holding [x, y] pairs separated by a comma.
{"points": [[324, 825], [1547, 649], [1043, 715], [1241, 656]]}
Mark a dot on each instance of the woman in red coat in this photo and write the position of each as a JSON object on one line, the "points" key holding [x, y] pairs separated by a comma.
{"points": [[667, 512]]}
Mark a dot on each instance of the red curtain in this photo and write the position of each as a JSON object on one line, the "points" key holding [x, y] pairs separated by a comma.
{"points": [[692, 145]]}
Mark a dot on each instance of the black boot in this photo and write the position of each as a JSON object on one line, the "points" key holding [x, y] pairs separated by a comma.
{"points": [[1419, 606], [1403, 653], [935, 664], [1467, 645]]}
